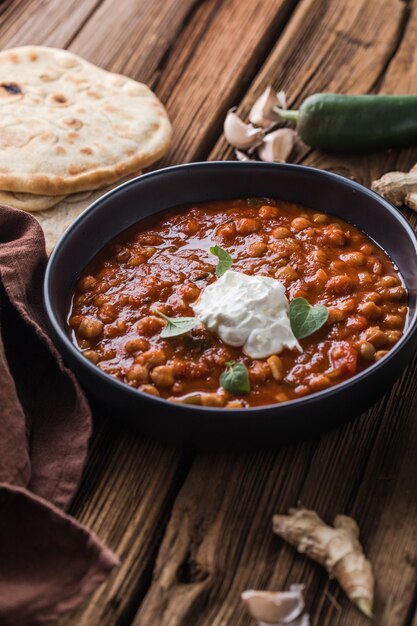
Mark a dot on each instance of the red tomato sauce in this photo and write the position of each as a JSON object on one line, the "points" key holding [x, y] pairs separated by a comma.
{"points": [[164, 262]]}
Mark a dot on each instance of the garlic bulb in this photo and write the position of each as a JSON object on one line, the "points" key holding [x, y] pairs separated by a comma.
{"points": [[262, 113], [240, 135], [277, 146]]}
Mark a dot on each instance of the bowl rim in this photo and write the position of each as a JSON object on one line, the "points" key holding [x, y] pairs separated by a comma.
{"points": [[248, 412]]}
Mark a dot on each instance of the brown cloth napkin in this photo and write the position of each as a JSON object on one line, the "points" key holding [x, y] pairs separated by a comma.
{"points": [[48, 561]]}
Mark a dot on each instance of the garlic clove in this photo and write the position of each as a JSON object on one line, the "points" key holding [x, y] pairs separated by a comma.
{"points": [[277, 146], [243, 156], [240, 135], [262, 113], [282, 100], [275, 607]]}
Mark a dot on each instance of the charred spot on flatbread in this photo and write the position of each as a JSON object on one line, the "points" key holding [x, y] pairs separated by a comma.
{"points": [[10, 91]]}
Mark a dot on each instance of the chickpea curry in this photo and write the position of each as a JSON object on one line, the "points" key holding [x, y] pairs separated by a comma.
{"points": [[134, 310]]}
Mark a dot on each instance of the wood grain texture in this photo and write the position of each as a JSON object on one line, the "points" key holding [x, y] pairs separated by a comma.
{"points": [[218, 541], [221, 52], [43, 22], [137, 44], [211, 526]]}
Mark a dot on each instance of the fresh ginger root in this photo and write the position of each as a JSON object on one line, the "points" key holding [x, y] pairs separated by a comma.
{"points": [[337, 548], [399, 188]]}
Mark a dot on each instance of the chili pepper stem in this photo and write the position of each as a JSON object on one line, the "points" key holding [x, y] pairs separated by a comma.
{"points": [[289, 116]]}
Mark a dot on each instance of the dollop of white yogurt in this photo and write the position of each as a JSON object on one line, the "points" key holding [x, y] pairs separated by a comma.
{"points": [[248, 311]]}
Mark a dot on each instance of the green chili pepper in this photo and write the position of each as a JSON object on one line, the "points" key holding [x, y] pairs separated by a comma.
{"points": [[345, 123]]}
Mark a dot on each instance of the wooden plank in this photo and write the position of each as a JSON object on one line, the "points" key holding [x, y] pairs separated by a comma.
{"points": [[126, 493], [222, 53], [136, 44], [219, 541], [43, 22], [133, 37]]}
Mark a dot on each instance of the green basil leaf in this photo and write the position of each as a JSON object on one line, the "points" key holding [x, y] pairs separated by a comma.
{"points": [[235, 379], [306, 319], [225, 260], [176, 325]]}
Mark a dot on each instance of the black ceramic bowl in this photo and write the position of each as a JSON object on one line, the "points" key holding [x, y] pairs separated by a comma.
{"points": [[202, 426]]}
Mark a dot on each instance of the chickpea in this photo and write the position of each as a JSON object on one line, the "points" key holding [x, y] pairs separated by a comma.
{"points": [[367, 249], [107, 313], [137, 260], [393, 321], [115, 330], [281, 397], [338, 266], [225, 231], [301, 390], [75, 320], [277, 367], [191, 227], [380, 354], [234, 404], [259, 372], [300, 223], [340, 284], [268, 212], [348, 305], [373, 296], [376, 336], [281, 232], [288, 272], [374, 265], [370, 310], [137, 374], [212, 399], [356, 259], [123, 255], [367, 350], [102, 286], [150, 239], [151, 389], [90, 328], [319, 256], [137, 344], [152, 358], [257, 249], [92, 356], [393, 336], [321, 276], [357, 323], [179, 367], [149, 252], [319, 382], [334, 236], [394, 293], [364, 278], [320, 218], [189, 291], [150, 325], [87, 283], [163, 376], [335, 315], [388, 281], [247, 225]]}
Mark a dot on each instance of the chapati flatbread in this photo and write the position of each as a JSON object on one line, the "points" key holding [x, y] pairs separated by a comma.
{"points": [[55, 221], [28, 201], [67, 125]]}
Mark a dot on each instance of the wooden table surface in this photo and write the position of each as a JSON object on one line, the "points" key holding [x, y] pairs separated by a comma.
{"points": [[193, 530]]}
